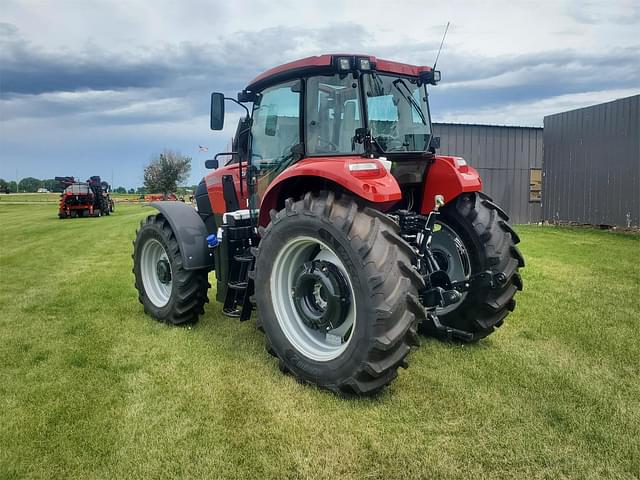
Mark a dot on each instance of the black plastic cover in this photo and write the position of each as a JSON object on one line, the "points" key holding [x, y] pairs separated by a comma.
{"points": [[204, 207]]}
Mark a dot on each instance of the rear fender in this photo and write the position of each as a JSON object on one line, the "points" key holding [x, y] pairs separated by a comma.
{"points": [[449, 177], [378, 186], [190, 233]]}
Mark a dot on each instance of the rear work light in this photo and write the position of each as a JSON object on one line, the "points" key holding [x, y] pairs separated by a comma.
{"points": [[364, 64], [366, 169], [344, 63]]}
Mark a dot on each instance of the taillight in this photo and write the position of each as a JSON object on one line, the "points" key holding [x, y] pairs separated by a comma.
{"points": [[460, 162], [366, 169]]}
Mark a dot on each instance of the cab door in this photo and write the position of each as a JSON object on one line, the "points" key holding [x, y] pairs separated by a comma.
{"points": [[275, 133]]}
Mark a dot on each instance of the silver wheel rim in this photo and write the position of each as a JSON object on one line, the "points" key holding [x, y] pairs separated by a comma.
{"points": [[447, 245], [315, 344], [157, 291]]}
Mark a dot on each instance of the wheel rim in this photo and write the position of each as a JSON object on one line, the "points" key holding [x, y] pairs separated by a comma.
{"points": [[320, 340], [156, 273], [452, 257]]}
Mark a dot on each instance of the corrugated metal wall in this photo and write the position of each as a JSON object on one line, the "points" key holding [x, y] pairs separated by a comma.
{"points": [[503, 157], [592, 164]]}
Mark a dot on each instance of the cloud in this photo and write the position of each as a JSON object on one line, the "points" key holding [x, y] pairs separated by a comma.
{"points": [[151, 84], [531, 113], [130, 106], [171, 82], [117, 82], [595, 12], [29, 69], [535, 77]]}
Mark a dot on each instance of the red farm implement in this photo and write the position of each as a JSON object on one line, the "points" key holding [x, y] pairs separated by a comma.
{"points": [[84, 199]]}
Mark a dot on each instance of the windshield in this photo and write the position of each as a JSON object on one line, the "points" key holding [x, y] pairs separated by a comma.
{"points": [[398, 113]]}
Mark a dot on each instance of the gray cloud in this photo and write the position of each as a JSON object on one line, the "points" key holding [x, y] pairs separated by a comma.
{"points": [[171, 82], [591, 12], [104, 86], [472, 83], [29, 69]]}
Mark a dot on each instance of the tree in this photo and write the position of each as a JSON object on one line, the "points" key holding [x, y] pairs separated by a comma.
{"points": [[120, 190], [29, 184], [52, 185], [7, 187], [166, 171], [131, 190], [13, 186]]}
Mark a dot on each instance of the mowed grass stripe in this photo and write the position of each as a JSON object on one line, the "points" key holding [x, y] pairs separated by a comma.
{"points": [[90, 387]]}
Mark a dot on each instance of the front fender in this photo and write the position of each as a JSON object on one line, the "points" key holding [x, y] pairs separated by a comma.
{"points": [[190, 233], [449, 177], [379, 187]]}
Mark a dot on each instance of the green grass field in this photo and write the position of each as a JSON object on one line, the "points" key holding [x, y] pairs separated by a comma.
{"points": [[54, 198], [92, 388], [29, 198]]}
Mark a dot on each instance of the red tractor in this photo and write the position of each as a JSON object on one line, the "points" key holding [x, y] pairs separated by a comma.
{"points": [[84, 199], [335, 218]]}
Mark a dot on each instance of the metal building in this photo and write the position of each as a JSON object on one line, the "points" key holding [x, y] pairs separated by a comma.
{"points": [[509, 160], [592, 164]]}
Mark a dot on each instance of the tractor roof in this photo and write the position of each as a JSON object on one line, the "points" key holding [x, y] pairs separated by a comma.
{"points": [[329, 63]]}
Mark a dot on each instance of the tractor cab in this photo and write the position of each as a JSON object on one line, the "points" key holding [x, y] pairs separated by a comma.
{"points": [[332, 107]]}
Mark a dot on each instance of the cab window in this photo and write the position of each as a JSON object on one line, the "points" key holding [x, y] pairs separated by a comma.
{"points": [[333, 114], [276, 125]]}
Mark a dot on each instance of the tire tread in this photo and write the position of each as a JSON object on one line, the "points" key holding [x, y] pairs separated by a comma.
{"points": [[387, 260], [191, 285]]}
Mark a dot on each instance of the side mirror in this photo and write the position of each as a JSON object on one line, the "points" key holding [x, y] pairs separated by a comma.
{"points": [[217, 111], [435, 143], [271, 125], [211, 164], [430, 77]]}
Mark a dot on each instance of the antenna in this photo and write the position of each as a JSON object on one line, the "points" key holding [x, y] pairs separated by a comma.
{"points": [[441, 43]]}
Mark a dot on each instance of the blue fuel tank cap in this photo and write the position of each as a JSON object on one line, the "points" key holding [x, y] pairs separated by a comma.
{"points": [[212, 240]]}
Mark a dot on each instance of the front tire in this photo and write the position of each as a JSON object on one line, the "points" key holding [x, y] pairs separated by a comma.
{"points": [[373, 334], [491, 245], [168, 292]]}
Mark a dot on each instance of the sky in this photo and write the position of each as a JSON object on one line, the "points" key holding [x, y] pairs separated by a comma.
{"points": [[93, 87]]}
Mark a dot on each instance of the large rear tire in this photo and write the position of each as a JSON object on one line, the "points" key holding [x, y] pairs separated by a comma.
{"points": [[168, 292], [489, 243], [368, 268]]}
